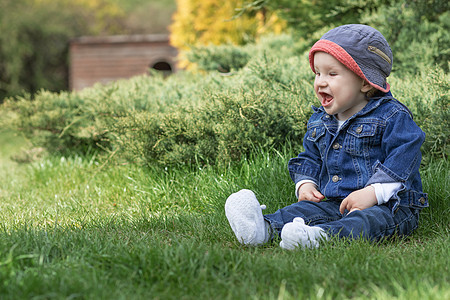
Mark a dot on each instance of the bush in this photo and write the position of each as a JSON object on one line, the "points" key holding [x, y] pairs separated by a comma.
{"points": [[427, 96], [255, 108], [218, 58], [210, 118], [226, 58], [60, 122], [418, 38], [84, 121]]}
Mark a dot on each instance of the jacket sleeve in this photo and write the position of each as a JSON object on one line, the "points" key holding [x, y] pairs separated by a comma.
{"points": [[401, 144]]}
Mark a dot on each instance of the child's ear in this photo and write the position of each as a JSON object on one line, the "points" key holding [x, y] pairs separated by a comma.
{"points": [[365, 87]]}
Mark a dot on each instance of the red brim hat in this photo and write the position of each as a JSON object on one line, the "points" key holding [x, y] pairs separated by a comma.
{"points": [[360, 48]]}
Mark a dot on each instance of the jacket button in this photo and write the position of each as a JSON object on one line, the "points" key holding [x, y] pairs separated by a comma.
{"points": [[335, 178], [313, 134], [336, 146], [359, 129], [422, 200]]}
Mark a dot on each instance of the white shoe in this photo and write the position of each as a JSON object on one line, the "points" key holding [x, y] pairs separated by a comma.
{"points": [[298, 235], [244, 213]]}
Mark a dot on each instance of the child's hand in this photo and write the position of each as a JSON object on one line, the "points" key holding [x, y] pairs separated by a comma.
{"points": [[308, 191], [359, 200]]}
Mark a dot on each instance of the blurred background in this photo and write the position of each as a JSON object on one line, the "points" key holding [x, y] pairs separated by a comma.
{"points": [[35, 35]]}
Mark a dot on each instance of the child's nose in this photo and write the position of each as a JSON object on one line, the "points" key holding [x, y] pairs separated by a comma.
{"points": [[320, 81]]}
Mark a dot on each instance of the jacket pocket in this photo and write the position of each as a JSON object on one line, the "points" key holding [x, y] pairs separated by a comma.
{"points": [[315, 135], [360, 137]]}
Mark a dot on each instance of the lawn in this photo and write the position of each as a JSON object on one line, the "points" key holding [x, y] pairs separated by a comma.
{"points": [[82, 228]]}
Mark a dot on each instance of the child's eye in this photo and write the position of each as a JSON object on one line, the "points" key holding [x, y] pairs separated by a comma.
{"points": [[333, 74]]}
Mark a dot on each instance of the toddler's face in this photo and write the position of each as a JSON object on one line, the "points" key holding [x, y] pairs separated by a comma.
{"points": [[340, 91]]}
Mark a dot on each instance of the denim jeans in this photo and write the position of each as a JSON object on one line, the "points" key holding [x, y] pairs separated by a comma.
{"points": [[373, 223]]}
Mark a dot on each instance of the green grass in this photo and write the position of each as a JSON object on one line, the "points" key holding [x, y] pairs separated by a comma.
{"points": [[78, 228]]}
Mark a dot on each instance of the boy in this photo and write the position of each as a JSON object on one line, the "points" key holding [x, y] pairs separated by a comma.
{"points": [[359, 173]]}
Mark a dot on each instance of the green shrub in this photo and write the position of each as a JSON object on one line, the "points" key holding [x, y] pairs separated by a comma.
{"points": [[226, 58], [268, 108], [210, 118], [264, 110], [218, 58], [59, 122], [427, 96], [83, 121], [418, 39]]}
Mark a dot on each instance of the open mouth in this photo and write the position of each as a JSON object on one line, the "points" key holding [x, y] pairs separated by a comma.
{"points": [[326, 99]]}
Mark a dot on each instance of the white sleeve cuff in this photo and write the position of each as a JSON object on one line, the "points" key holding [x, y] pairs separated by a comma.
{"points": [[384, 191], [297, 186]]}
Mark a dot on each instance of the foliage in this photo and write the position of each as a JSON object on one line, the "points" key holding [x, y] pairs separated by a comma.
{"points": [[226, 58], [210, 118], [146, 16], [427, 96], [415, 47], [308, 16], [81, 121], [213, 22], [220, 58], [35, 35], [32, 46], [62, 122], [231, 125], [417, 30], [34, 40]]}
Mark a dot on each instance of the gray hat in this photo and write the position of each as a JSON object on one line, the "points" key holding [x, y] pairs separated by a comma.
{"points": [[362, 49]]}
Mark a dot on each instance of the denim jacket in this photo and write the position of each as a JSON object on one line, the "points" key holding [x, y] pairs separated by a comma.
{"points": [[379, 144]]}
